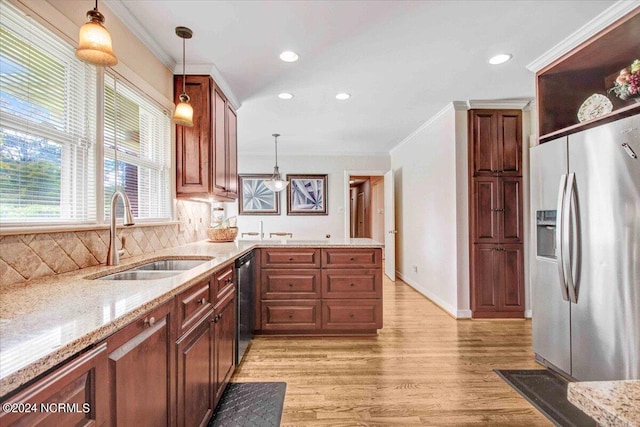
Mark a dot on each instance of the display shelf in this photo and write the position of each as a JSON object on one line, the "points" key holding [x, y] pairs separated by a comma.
{"points": [[590, 68]]}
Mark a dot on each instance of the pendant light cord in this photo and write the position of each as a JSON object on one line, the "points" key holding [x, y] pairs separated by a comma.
{"points": [[184, 85], [276, 151], [96, 8]]}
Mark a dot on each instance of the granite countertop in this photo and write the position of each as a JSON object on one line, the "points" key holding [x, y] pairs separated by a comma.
{"points": [[46, 321], [610, 403]]}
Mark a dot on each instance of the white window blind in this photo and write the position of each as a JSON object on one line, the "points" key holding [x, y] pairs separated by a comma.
{"points": [[141, 131], [47, 126]]}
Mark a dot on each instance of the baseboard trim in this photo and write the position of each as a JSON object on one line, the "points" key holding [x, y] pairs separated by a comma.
{"points": [[528, 314], [446, 307]]}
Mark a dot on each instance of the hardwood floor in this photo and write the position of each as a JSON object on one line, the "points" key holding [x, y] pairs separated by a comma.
{"points": [[424, 368]]}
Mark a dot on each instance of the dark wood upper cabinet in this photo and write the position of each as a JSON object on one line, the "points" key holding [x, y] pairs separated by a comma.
{"points": [[206, 154], [497, 142], [592, 67]]}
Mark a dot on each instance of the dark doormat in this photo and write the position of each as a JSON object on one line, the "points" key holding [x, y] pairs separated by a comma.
{"points": [[548, 393], [250, 404]]}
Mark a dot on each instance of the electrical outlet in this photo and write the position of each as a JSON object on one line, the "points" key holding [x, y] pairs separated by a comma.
{"points": [[414, 268]]}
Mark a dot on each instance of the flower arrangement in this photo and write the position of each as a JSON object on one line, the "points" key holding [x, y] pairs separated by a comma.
{"points": [[627, 84]]}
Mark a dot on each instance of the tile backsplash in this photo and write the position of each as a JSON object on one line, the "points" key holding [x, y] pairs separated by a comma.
{"points": [[25, 257]]}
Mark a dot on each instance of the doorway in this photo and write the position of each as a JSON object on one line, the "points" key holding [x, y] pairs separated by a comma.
{"points": [[370, 211]]}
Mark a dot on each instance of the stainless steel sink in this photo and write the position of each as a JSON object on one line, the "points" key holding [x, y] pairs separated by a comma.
{"points": [[159, 269], [139, 275], [171, 264]]}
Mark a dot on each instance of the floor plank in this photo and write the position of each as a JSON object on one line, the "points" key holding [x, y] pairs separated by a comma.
{"points": [[423, 368]]}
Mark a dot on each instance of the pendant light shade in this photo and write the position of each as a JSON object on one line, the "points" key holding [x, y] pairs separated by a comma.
{"points": [[276, 183], [183, 114], [94, 41]]}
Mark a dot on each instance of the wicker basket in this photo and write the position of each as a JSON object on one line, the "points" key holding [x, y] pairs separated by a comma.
{"points": [[222, 234]]}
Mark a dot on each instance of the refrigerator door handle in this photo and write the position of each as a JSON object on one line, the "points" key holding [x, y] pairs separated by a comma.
{"points": [[559, 229], [567, 235]]}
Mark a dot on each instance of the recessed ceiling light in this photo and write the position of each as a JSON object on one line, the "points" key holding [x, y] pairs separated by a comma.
{"points": [[343, 96], [289, 56], [285, 95], [500, 59]]}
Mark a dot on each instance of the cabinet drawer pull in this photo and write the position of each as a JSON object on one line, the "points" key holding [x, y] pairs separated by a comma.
{"points": [[290, 315], [291, 285], [216, 318], [229, 280], [351, 315], [150, 321], [290, 258], [202, 301], [352, 284], [352, 259]]}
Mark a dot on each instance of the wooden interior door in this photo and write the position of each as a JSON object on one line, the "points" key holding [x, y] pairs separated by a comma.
{"points": [[360, 215]]}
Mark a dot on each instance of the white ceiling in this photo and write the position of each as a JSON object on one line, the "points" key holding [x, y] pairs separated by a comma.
{"points": [[402, 61]]}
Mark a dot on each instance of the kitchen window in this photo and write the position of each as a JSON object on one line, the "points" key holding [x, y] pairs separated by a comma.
{"points": [[53, 169]]}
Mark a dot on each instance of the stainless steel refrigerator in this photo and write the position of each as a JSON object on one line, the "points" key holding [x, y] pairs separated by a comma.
{"points": [[585, 201]]}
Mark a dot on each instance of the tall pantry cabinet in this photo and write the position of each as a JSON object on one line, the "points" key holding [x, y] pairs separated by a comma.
{"points": [[496, 231]]}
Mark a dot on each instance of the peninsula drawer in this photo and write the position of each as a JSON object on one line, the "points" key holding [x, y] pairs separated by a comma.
{"points": [[223, 282], [194, 303], [280, 283], [349, 258], [349, 314], [290, 315], [352, 283], [290, 257]]}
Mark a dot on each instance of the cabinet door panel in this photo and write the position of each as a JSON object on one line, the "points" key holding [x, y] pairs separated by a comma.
{"points": [[232, 153], [81, 382], [195, 374], [139, 371], [484, 136], [511, 214], [224, 344], [219, 144], [510, 143], [512, 281], [352, 314], [483, 211], [193, 143], [484, 276]]}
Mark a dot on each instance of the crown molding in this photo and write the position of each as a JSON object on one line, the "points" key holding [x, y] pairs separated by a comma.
{"points": [[132, 23], [600, 22], [449, 107], [460, 105], [499, 104], [122, 12], [212, 70]]}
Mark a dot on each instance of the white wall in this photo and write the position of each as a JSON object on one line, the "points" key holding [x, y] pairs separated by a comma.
{"points": [[426, 210], [306, 227]]}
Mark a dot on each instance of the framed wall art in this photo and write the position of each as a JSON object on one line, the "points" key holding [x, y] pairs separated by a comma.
{"points": [[254, 198], [307, 195]]}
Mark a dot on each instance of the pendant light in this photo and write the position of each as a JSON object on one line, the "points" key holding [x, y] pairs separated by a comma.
{"points": [[276, 183], [94, 41], [183, 114]]}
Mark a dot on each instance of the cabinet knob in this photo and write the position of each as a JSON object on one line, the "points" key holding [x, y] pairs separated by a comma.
{"points": [[352, 284], [202, 301], [290, 258], [350, 314], [291, 285], [290, 315], [229, 280], [352, 259], [150, 321]]}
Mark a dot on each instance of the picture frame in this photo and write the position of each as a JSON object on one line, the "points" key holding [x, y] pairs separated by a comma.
{"points": [[307, 194], [254, 198]]}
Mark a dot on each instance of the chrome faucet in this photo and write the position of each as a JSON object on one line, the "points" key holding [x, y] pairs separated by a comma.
{"points": [[113, 256]]}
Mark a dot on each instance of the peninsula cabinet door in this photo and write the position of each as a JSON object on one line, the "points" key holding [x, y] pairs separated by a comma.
{"points": [[141, 378], [81, 385]]}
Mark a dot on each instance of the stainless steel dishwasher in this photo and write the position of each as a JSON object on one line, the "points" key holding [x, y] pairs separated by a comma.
{"points": [[244, 298]]}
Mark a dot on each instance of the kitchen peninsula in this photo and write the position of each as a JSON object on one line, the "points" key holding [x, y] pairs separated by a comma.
{"points": [[59, 318]]}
